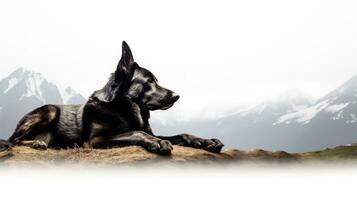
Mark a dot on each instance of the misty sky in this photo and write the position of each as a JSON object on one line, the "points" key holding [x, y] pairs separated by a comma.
{"points": [[215, 54]]}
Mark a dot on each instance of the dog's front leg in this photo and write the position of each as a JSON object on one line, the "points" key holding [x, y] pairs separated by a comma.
{"points": [[139, 138], [212, 145]]}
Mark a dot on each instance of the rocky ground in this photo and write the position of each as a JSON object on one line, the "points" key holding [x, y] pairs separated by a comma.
{"points": [[135, 155]]}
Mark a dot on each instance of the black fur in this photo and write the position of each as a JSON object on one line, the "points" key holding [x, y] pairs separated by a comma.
{"points": [[116, 115]]}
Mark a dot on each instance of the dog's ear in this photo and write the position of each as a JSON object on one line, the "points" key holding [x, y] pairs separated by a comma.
{"points": [[126, 59]]}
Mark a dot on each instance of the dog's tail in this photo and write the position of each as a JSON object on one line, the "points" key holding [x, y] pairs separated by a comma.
{"points": [[5, 145]]}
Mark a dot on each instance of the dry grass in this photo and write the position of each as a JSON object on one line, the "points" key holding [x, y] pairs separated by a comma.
{"points": [[127, 155], [134, 154]]}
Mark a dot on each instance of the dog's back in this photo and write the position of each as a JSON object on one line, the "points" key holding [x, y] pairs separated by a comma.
{"points": [[69, 128]]}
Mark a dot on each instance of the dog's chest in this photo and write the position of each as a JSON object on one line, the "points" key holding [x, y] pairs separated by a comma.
{"points": [[137, 116], [120, 121]]}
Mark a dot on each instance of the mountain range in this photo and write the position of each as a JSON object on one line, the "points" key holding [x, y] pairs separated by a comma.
{"points": [[23, 90], [292, 121]]}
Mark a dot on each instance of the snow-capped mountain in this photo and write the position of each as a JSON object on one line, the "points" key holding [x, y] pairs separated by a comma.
{"points": [[24, 90], [339, 104], [291, 122], [249, 128], [24, 83], [289, 101], [70, 96]]}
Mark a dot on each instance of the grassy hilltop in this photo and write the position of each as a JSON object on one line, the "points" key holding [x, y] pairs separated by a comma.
{"points": [[135, 155]]}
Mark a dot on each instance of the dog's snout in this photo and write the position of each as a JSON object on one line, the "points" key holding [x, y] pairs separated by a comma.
{"points": [[175, 96]]}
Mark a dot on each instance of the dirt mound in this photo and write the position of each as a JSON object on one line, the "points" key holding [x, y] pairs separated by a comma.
{"points": [[134, 154]]}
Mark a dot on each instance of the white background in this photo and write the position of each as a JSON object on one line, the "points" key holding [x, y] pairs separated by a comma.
{"points": [[181, 183]]}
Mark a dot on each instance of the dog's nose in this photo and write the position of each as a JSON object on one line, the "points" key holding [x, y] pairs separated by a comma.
{"points": [[175, 96]]}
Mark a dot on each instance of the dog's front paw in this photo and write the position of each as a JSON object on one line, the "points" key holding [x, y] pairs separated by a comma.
{"points": [[212, 145], [162, 147]]}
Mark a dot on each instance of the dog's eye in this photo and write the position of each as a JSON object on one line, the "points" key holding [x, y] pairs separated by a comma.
{"points": [[150, 81]]}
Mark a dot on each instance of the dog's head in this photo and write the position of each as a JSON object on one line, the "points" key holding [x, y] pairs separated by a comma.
{"points": [[137, 83]]}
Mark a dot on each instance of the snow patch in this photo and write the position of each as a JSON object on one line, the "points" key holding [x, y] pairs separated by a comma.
{"points": [[337, 107], [12, 82], [338, 116], [33, 83], [303, 116], [353, 118], [297, 108]]}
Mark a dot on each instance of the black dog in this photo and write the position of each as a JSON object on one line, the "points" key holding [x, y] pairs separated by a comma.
{"points": [[116, 115]]}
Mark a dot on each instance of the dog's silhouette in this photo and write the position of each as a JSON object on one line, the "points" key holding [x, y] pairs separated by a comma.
{"points": [[116, 115]]}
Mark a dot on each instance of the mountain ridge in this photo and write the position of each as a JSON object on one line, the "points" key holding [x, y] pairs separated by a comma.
{"points": [[287, 124], [23, 90]]}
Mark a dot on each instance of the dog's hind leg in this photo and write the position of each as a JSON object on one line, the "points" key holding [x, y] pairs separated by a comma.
{"points": [[212, 145], [36, 144], [139, 138], [40, 142], [35, 124], [5, 145]]}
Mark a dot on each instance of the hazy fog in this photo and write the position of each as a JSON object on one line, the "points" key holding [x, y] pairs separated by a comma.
{"points": [[216, 55]]}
